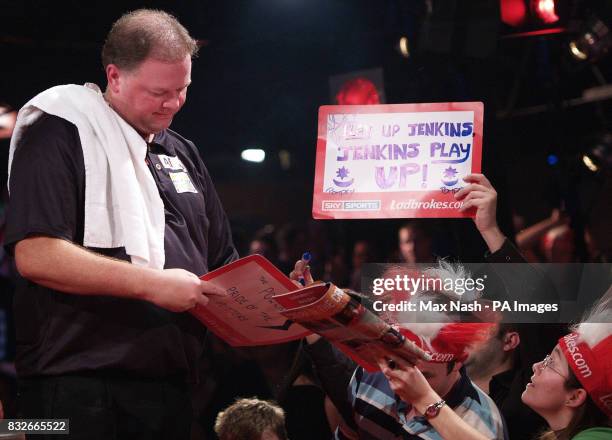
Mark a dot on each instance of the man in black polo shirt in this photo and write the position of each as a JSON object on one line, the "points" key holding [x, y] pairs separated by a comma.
{"points": [[101, 341]]}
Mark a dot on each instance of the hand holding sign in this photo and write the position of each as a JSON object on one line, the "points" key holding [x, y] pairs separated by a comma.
{"points": [[480, 194]]}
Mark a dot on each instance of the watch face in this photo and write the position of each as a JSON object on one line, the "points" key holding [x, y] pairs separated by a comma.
{"points": [[432, 411]]}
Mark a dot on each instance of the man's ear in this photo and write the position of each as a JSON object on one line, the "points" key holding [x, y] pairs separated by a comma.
{"points": [[113, 77], [457, 367], [576, 397], [511, 341]]}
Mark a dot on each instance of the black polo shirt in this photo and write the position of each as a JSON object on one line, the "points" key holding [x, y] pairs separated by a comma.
{"points": [[58, 333]]}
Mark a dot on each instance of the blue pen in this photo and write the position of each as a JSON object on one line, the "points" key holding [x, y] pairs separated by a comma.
{"points": [[306, 257]]}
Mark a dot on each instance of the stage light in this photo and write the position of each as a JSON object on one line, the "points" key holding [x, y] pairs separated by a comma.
{"points": [[588, 162], [404, 47], [253, 155], [552, 159], [284, 157], [530, 18], [545, 11], [576, 52], [358, 91], [513, 12], [593, 42], [599, 155]]}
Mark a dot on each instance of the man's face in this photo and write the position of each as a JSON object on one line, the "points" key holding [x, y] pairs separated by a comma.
{"points": [[487, 356], [438, 376], [414, 246], [361, 254], [149, 96]]}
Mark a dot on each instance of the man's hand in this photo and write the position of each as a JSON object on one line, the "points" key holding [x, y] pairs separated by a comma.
{"points": [[301, 270], [480, 194], [408, 383], [178, 290]]}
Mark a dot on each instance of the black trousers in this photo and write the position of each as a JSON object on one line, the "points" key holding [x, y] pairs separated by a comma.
{"points": [[109, 408]]}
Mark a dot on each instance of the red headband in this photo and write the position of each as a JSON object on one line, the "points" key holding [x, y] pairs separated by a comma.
{"points": [[452, 341], [592, 367]]}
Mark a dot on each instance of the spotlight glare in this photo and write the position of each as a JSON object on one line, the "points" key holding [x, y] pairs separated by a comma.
{"points": [[594, 40], [253, 155], [284, 158], [576, 52], [404, 47], [588, 162], [513, 12], [545, 10]]}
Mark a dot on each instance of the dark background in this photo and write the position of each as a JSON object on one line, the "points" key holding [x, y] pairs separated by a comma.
{"points": [[263, 71]]}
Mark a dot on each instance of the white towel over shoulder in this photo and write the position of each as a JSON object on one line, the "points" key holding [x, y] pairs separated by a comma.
{"points": [[122, 203]]}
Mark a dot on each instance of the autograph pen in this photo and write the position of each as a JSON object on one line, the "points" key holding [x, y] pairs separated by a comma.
{"points": [[306, 257]]}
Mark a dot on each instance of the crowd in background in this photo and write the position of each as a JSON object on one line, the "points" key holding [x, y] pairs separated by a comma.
{"points": [[284, 373]]}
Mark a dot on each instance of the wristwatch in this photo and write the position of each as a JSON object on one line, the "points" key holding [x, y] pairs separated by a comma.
{"points": [[434, 409]]}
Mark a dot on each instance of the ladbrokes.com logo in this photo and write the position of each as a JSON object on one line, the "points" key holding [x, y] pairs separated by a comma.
{"points": [[351, 205], [574, 351]]}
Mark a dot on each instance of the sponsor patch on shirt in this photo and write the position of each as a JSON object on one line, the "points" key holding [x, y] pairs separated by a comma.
{"points": [[171, 163], [182, 182]]}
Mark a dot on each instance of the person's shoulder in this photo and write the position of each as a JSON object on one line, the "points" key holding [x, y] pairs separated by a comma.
{"points": [[51, 126], [179, 141], [49, 136], [477, 397], [599, 433], [480, 411]]}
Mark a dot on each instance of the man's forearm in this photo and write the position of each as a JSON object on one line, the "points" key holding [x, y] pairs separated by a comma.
{"points": [[65, 266], [447, 423]]}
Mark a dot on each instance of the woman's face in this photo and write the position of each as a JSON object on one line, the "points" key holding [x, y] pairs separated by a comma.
{"points": [[546, 393]]}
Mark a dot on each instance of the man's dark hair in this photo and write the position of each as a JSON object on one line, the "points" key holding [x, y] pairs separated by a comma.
{"points": [[248, 419], [449, 367], [146, 33]]}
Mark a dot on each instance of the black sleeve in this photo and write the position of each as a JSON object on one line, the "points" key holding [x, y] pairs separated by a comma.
{"points": [[334, 370], [47, 183], [508, 253], [221, 250]]}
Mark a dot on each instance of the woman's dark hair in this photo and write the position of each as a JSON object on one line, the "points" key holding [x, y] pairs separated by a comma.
{"points": [[587, 415]]}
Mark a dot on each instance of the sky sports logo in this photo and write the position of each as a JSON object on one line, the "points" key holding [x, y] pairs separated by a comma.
{"points": [[351, 205]]}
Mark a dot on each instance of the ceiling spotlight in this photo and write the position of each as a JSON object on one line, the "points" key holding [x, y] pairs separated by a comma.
{"points": [[593, 42], [588, 162], [284, 158], [599, 155], [513, 12], [576, 52], [404, 47], [545, 11], [253, 155]]}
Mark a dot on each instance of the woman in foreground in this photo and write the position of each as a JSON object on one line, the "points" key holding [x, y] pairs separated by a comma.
{"points": [[572, 387]]}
